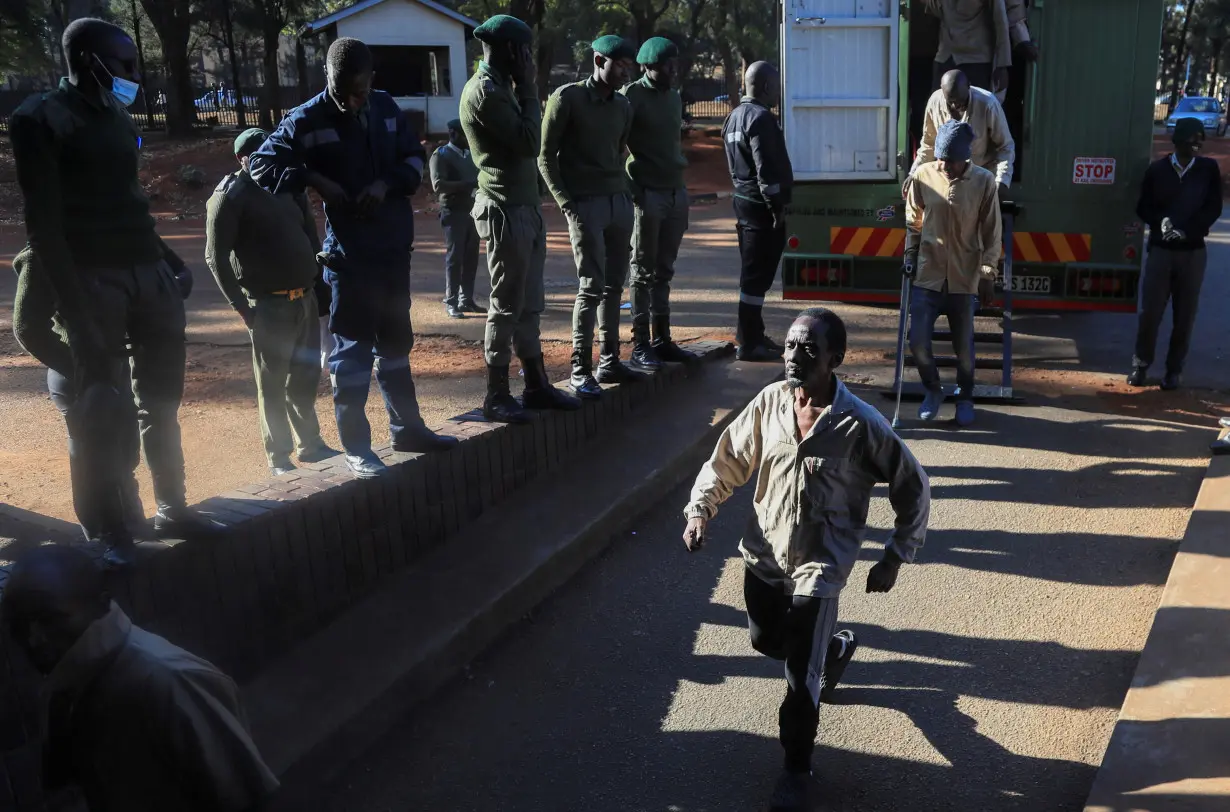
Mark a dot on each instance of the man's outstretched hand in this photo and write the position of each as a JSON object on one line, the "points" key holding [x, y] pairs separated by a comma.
{"points": [[694, 533], [883, 576]]}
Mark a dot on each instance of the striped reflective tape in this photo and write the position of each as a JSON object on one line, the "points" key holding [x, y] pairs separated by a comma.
{"points": [[1027, 246]]}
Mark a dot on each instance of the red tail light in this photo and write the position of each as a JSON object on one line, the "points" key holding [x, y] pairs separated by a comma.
{"points": [[793, 242]]}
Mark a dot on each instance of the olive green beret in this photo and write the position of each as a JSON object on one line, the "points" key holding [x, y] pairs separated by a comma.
{"points": [[504, 28], [657, 50], [249, 141], [614, 46]]}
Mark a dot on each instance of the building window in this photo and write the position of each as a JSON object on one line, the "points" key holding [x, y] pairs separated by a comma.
{"points": [[412, 70]]}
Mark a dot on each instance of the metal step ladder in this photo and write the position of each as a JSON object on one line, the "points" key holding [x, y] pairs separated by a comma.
{"points": [[985, 393]]}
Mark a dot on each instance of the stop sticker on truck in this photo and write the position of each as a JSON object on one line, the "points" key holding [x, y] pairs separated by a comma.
{"points": [[1094, 171]]}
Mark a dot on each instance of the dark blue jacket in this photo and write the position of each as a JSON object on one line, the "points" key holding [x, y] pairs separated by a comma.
{"points": [[318, 136]]}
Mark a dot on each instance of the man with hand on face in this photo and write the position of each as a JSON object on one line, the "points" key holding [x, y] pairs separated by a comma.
{"points": [[584, 132], [655, 169], [502, 121], [816, 451], [764, 182], [261, 248], [454, 179], [96, 265], [1180, 201], [356, 148], [952, 245], [993, 149]]}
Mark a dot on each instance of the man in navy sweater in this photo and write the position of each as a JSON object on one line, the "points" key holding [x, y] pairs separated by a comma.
{"points": [[1180, 200]]}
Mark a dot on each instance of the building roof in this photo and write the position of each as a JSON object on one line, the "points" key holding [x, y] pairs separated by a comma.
{"points": [[363, 5]]}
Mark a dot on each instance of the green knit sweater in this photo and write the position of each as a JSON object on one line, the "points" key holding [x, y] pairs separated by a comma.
{"points": [[656, 140], [504, 128]]}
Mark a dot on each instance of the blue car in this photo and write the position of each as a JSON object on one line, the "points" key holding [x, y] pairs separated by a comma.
{"points": [[1208, 111]]}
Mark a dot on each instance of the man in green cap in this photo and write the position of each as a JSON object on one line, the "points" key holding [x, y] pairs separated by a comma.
{"points": [[262, 249], [502, 121], [584, 133], [655, 168], [454, 179]]}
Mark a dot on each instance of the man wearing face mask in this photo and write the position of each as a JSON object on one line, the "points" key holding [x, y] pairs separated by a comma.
{"points": [[355, 147], [817, 451], [114, 283], [655, 170], [584, 132], [952, 246], [502, 120]]}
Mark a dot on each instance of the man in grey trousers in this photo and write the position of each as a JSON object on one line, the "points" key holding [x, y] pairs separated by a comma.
{"points": [[454, 179]]}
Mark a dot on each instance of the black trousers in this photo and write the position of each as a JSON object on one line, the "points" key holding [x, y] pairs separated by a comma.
{"points": [[1171, 277], [978, 73], [760, 252], [798, 630]]}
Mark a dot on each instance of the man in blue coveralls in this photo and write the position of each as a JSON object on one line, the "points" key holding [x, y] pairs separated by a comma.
{"points": [[354, 146]]}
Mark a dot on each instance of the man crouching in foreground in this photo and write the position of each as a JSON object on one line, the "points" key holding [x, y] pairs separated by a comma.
{"points": [[817, 451]]}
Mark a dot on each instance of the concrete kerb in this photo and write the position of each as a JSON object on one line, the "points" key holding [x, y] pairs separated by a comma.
{"points": [[1170, 748], [375, 662]]}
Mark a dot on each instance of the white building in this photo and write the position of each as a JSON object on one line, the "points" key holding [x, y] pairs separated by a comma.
{"points": [[419, 49]]}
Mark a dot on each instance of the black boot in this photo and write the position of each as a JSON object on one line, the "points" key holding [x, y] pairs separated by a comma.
{"points": [[120, 551], [643, 358], [500, 406], [1139, 376], [612, 370], [182, 522], [582, 380], [422, 440], [539, 393], [667, 349]]}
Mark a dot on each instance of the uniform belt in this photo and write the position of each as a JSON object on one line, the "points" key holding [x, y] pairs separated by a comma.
{"points": [[297, 293]]}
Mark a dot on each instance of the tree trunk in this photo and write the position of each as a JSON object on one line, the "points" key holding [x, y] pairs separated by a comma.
{"points": [[228, 36], [173, 22], [271, 111], [1181, 52]]}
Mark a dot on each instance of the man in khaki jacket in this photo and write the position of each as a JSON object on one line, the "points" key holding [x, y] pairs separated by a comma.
{"points": [[953, 244], [816, 451], [137, 724]]}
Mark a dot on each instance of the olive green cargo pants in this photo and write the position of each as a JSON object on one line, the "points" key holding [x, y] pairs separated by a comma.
{"points": [[286, 361], [516, 240]]}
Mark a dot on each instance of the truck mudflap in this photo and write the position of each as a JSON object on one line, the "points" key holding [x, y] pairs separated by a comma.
{"points": [[1051, 271]]}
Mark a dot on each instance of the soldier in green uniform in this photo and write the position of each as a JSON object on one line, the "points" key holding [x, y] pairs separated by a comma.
{"points": [[655, 169], [502, 121], [92, 239], [584, 134], [262, 249], [454, 179]]}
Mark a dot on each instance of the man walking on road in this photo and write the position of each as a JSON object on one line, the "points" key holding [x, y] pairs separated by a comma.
{"points": [[655, 170], [262, 252], [356, 148], [993, 148], [135, 723], [764, 181], [1180, 201], [93, 252], [816, 451], [953, 242], [503, 126], [584, 132], [454, 179]]}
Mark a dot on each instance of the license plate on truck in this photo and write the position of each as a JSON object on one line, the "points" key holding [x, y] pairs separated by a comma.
{"points": [[1031, 284]]}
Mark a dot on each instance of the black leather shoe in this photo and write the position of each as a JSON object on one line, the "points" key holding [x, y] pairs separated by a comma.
{"points": [[773, 345], [472, 307], [1172, 381], [1220, 447], [1139, 377], [644, 358], [793, 793], [120, 552], [454, 312], [499, 406], [319, 453], [672, 353], [584, 385], [540, 393], [616, 371], [841, 650], [1224, 422], [760, 354], [182, 522], [423, 441]]}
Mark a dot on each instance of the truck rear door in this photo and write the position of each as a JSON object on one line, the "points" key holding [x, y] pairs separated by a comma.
{"points": [[839, 88]]}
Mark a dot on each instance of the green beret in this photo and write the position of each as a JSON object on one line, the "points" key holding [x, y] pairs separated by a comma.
{"points": [[614, 46], [455, 124], [504, 28], [1185, 128], [657, 50], [249, 141]]}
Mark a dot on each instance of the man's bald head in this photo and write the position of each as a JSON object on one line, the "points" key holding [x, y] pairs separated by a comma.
{"points": [[763, 83], [955, 87], [52, 596]]}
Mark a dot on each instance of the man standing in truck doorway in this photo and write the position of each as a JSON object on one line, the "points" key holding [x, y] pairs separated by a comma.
{"points": [[764, 181], [975, 37]]}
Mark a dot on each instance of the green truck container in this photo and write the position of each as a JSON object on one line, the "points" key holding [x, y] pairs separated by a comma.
{"points": [[856, 75]]}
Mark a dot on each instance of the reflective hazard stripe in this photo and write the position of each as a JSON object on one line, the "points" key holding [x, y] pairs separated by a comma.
{"points": [[318, 138], [749, 299], [735, 136], [391, 124]]}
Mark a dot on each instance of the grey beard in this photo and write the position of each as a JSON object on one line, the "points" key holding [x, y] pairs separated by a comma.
{"points": [[794, 383]]}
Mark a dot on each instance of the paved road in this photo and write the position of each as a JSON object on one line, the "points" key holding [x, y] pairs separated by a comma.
{"points": [[989, 679]]}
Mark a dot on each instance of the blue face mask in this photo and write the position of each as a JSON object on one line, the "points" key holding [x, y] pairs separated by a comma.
{"points": [[123, 90]]}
